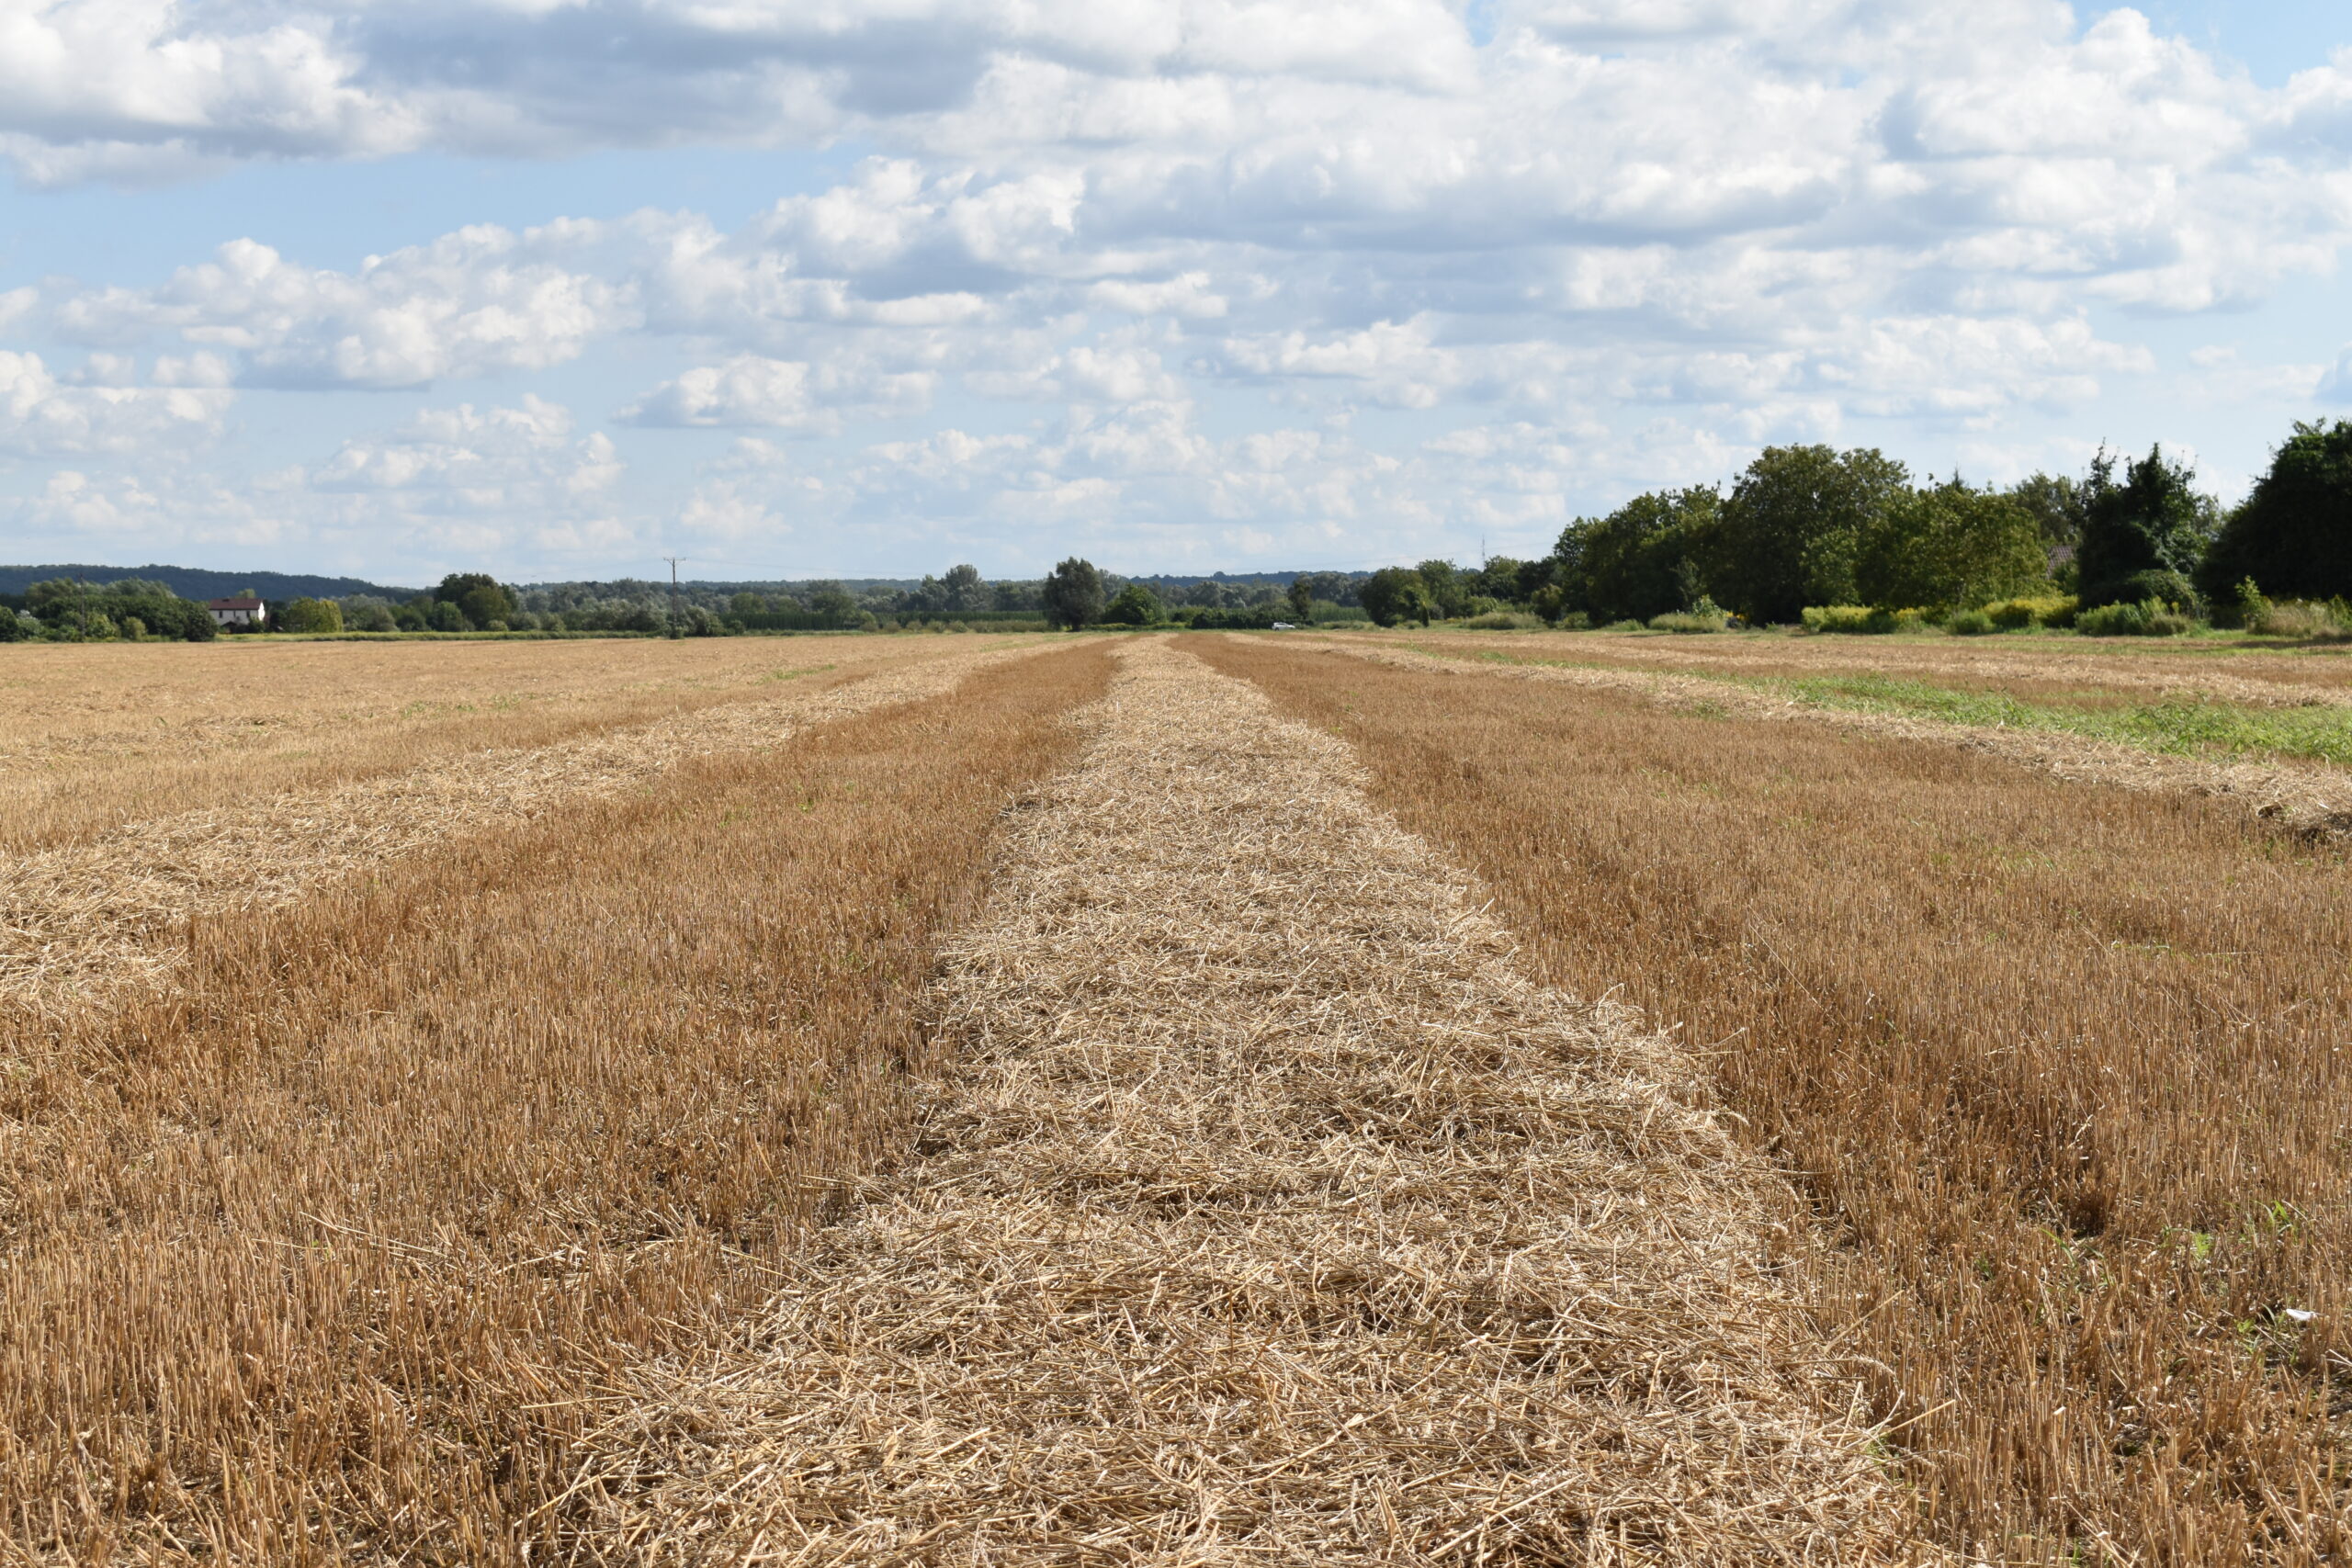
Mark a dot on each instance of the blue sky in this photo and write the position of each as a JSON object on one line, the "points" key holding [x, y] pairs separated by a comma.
{"points": [[555, 289]]}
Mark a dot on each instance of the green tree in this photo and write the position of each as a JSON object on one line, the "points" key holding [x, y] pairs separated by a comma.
{"points": [[1396, 595], [1302, 600], [835, 603], [1564, 590], [479, 596], [964, 588], [1949, 547], [2293, 535], [307, 615], [1792, 527], [1448, 585], [487, 607], [2056, 502], [1333, 587], [130, 606], [1642, 560], [1507, 578], [70, 609], [2145, 538], [54, 597], [1135, 605], [1073, 595], [445, 617]]}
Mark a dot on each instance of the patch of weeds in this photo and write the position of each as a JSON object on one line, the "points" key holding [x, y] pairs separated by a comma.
{"points": [[2185, 729]]}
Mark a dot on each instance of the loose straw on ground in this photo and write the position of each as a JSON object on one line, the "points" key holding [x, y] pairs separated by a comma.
{"points": [[1266, 1214], [2308, 798], [83, 918]]}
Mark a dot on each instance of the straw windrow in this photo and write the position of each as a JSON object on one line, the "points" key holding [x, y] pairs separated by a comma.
{"points": [[1266, 1214]]}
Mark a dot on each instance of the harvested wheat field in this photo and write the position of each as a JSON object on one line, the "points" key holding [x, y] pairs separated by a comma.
{"points": [[1265, 1211], [112, 905], [104, 734], [2183, 747], [2060, 1069], [978, 1100], [330, 1243]]}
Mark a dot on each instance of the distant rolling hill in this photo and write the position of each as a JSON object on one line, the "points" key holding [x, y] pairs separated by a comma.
{"points": [[192, 582]]}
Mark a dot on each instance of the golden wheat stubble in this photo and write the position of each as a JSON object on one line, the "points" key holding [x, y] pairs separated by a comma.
{"points": [[335, 1249], [2061, 1069], [101, 735]]}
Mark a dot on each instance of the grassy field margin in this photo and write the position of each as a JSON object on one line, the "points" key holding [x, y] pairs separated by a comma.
{"points": [[2187, 729]]}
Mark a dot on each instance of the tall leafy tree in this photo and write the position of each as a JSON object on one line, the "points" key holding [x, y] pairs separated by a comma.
{"points": [[1449, 587], [479, 597], [2056, 502], [2293, 535], [1073, 595], [2145, 536], [1637, 561], [837, 604], [307, 615], [1949, 547], [1135, 605], [1396, 593], [1337, 587], [1792, 528], [962, 590], [1508, 578]]}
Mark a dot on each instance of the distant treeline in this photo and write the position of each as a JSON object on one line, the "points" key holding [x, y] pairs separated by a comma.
{"points": [[66, 609], [1810, 527], [63, 610], [198, 582], [1839, 540]]}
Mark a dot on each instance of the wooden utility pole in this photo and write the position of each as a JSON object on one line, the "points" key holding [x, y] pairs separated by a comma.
{"points": [[677, 627]]}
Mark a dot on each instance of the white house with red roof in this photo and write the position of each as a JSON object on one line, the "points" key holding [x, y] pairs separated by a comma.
{"points": [[241, 611]]}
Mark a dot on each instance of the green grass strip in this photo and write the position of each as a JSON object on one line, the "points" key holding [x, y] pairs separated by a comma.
{"points": [[2183, 729]]}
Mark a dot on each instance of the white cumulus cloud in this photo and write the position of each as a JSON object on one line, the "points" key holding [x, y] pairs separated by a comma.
{"points": [[1375, 265], [472, 302], [41, 415]]}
